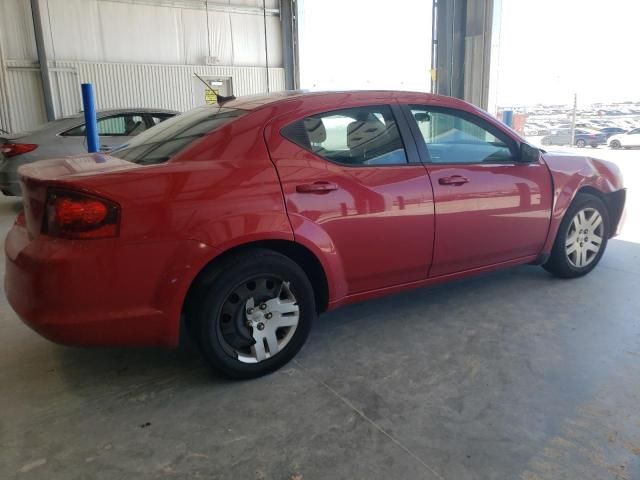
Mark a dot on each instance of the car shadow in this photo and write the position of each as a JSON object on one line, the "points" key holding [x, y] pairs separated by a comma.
{"points": [[445, 306], [185, 367]]}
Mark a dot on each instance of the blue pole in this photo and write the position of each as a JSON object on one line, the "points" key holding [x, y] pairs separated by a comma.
{"points": [[507, 117], [91, 122]]}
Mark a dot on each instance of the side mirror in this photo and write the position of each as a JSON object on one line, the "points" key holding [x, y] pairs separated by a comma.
{"points": [[529, 154]]}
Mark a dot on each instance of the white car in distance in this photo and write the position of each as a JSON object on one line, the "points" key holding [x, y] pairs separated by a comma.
{"points": [[625, 140]]}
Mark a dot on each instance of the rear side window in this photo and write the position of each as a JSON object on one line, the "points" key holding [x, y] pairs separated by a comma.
{"points": [[359, 136], [129, 124], [160, 143]]}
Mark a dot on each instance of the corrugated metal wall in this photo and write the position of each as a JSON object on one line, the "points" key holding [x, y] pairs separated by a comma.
{"points": [[120, 85], [137, 53], [161, 32], [25, 102]]}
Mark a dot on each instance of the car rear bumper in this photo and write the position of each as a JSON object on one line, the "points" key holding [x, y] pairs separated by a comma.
{"points": [[90, 293]]}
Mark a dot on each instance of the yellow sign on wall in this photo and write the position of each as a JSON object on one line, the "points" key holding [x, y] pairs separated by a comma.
{"points": [[211, 96]]}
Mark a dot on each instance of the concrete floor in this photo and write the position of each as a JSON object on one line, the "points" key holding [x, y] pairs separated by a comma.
{"points": [[513, 375]]}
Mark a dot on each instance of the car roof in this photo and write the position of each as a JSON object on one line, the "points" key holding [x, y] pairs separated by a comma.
{"points": [[253, 102]]}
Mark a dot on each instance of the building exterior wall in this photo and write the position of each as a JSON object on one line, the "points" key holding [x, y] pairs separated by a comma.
{"points": [[137, 53]]}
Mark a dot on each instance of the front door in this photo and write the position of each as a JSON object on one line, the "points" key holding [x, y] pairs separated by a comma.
{"points": [[352, 186], [489, 208]]}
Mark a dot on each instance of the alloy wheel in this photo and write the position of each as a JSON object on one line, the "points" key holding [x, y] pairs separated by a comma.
{"points": [[584, 237]]}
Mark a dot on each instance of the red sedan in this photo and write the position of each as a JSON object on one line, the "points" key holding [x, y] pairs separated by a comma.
{"points": [[241, 222]]}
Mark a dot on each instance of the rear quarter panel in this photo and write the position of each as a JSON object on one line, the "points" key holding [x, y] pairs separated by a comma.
{"points": [[221, 192]]}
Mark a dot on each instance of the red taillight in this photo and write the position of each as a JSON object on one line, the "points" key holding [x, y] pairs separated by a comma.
{"points": [[20, 219], [13, 149], [77, 215]]}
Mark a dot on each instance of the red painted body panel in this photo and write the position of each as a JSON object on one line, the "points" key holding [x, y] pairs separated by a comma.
{"points": [[501, 214], [570, 174], [374, 235], [379, 220], [176, 218]]}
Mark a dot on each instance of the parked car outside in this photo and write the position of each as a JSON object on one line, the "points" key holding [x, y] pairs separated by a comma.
{"points": [[532, 130], [610, 131], [66, 136], [562, 136], [238, 223], [626, 140]]}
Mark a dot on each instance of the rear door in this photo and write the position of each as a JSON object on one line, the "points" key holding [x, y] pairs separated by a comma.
{"points": [[489, 208], [354, 185]]}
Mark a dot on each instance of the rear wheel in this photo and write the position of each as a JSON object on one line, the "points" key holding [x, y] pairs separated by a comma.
{"points": [[580, 143], [581, 239], [615, 144], [254, 313]]}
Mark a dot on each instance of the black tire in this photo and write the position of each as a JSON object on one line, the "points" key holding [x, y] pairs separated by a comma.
{"points": [[615, 144], [594, 145], [558, 263], [219, 284], [580, 143]]}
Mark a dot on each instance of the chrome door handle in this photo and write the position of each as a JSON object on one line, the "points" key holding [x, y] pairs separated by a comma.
{"points": [[455, 180], [316, 187]]}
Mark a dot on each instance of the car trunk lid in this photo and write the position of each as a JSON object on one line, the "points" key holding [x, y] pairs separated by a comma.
{"points": [[37, 177]]}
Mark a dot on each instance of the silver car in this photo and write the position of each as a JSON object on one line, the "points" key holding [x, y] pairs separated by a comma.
{"points": [[66, 136]]}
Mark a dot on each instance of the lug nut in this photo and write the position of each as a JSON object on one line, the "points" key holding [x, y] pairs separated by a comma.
{"points": [[263, 306], [261, 326], [268, 316], [250, 311]]}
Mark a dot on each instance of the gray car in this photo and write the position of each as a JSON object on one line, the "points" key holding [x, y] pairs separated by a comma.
{"points": [[66, 136]]}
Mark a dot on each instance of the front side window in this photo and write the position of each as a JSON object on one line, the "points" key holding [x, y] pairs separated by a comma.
{"points": [[157, 118], [358, 136], [458, 137], [121, 126]]}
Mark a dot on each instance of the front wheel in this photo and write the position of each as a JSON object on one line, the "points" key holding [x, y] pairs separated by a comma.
{"points": [[254, 313], [615, 144], [580, 143], [581, 239]]}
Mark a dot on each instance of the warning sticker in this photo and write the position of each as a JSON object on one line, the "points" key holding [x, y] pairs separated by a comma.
{"points": [[211, 96]]}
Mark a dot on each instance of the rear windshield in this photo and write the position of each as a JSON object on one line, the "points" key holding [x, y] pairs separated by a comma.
{"points": [[160, 143]]}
